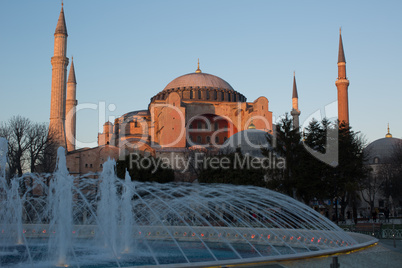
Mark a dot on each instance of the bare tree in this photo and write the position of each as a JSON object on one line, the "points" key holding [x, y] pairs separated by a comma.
{"points": [[16, 132], [39, 142], [30, 147], [47, 157], [393, 181], [370, 187]]}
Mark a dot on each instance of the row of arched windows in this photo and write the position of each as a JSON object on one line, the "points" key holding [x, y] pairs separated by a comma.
{"points": [[204, 94], [199, 140], [218, 96]]}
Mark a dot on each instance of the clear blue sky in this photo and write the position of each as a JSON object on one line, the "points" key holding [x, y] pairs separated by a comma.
{"points": [[127, 51]]}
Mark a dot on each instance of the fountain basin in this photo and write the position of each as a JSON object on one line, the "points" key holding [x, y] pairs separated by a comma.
{"points": [[307, 244], [61, 220]]}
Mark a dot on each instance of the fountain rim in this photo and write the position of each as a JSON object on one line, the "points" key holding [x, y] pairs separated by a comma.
{"points": [[363, 241], [369, 242]]}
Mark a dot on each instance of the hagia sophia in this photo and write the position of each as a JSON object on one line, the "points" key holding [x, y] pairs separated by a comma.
{"points": [[193, 110]]}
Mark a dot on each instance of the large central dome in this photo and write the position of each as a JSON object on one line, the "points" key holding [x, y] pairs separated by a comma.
{"points": [[199, 86], [201, 80]]}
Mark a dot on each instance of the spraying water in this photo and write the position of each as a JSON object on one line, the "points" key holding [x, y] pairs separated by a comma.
{"points": [[108, 207], [60, 199], [11, 203], [127, 220], [152, 224]]}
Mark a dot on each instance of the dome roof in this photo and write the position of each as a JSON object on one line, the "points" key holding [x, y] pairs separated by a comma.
{"points": [[133, 113], [198, 79], [380, 150], [250, 141]]}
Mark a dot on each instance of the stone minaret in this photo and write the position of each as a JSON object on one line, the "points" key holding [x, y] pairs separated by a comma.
{"points": [[342, 83], [59, 76], [71, 104], [295, 105]]}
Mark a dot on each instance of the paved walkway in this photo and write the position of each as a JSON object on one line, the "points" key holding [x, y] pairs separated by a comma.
{"points": [[383, 255]]}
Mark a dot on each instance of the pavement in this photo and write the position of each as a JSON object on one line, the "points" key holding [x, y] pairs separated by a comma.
{"points": [[384, 254]]}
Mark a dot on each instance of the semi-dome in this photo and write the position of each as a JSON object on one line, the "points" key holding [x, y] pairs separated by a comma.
{"points": [[198, 79]]}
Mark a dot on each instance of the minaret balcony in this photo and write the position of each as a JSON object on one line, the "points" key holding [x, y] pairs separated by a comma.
{"points": [[342, 81]]}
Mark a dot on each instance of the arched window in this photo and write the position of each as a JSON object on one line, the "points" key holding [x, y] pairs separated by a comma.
{"points": [[199, 140], [376, 160], [208, 139], [217, 140], [216, 125]]}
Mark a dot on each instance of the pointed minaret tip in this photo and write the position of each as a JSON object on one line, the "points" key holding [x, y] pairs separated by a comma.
{"points": [[61, 23], [341, 55], [295, 104], [294, 95], [198, 67], [71, 75]]}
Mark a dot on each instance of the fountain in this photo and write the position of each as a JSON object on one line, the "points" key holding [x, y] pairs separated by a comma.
{"points": [[59, 220]]}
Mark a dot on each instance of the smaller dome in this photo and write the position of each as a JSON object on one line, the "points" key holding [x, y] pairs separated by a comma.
{"points": [[250, 141], [380, 150], [136, 113]]}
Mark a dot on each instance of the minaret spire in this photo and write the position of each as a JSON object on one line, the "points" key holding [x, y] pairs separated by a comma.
{"points": [[198, 67], [59, 77], [342, 84], [295, 104], [71, 104], [71, 75], [61, 23], [294, 95], [341, 53], [388, 135]]}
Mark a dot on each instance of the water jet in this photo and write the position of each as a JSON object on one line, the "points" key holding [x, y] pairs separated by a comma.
{"points": [[108, 222]]}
